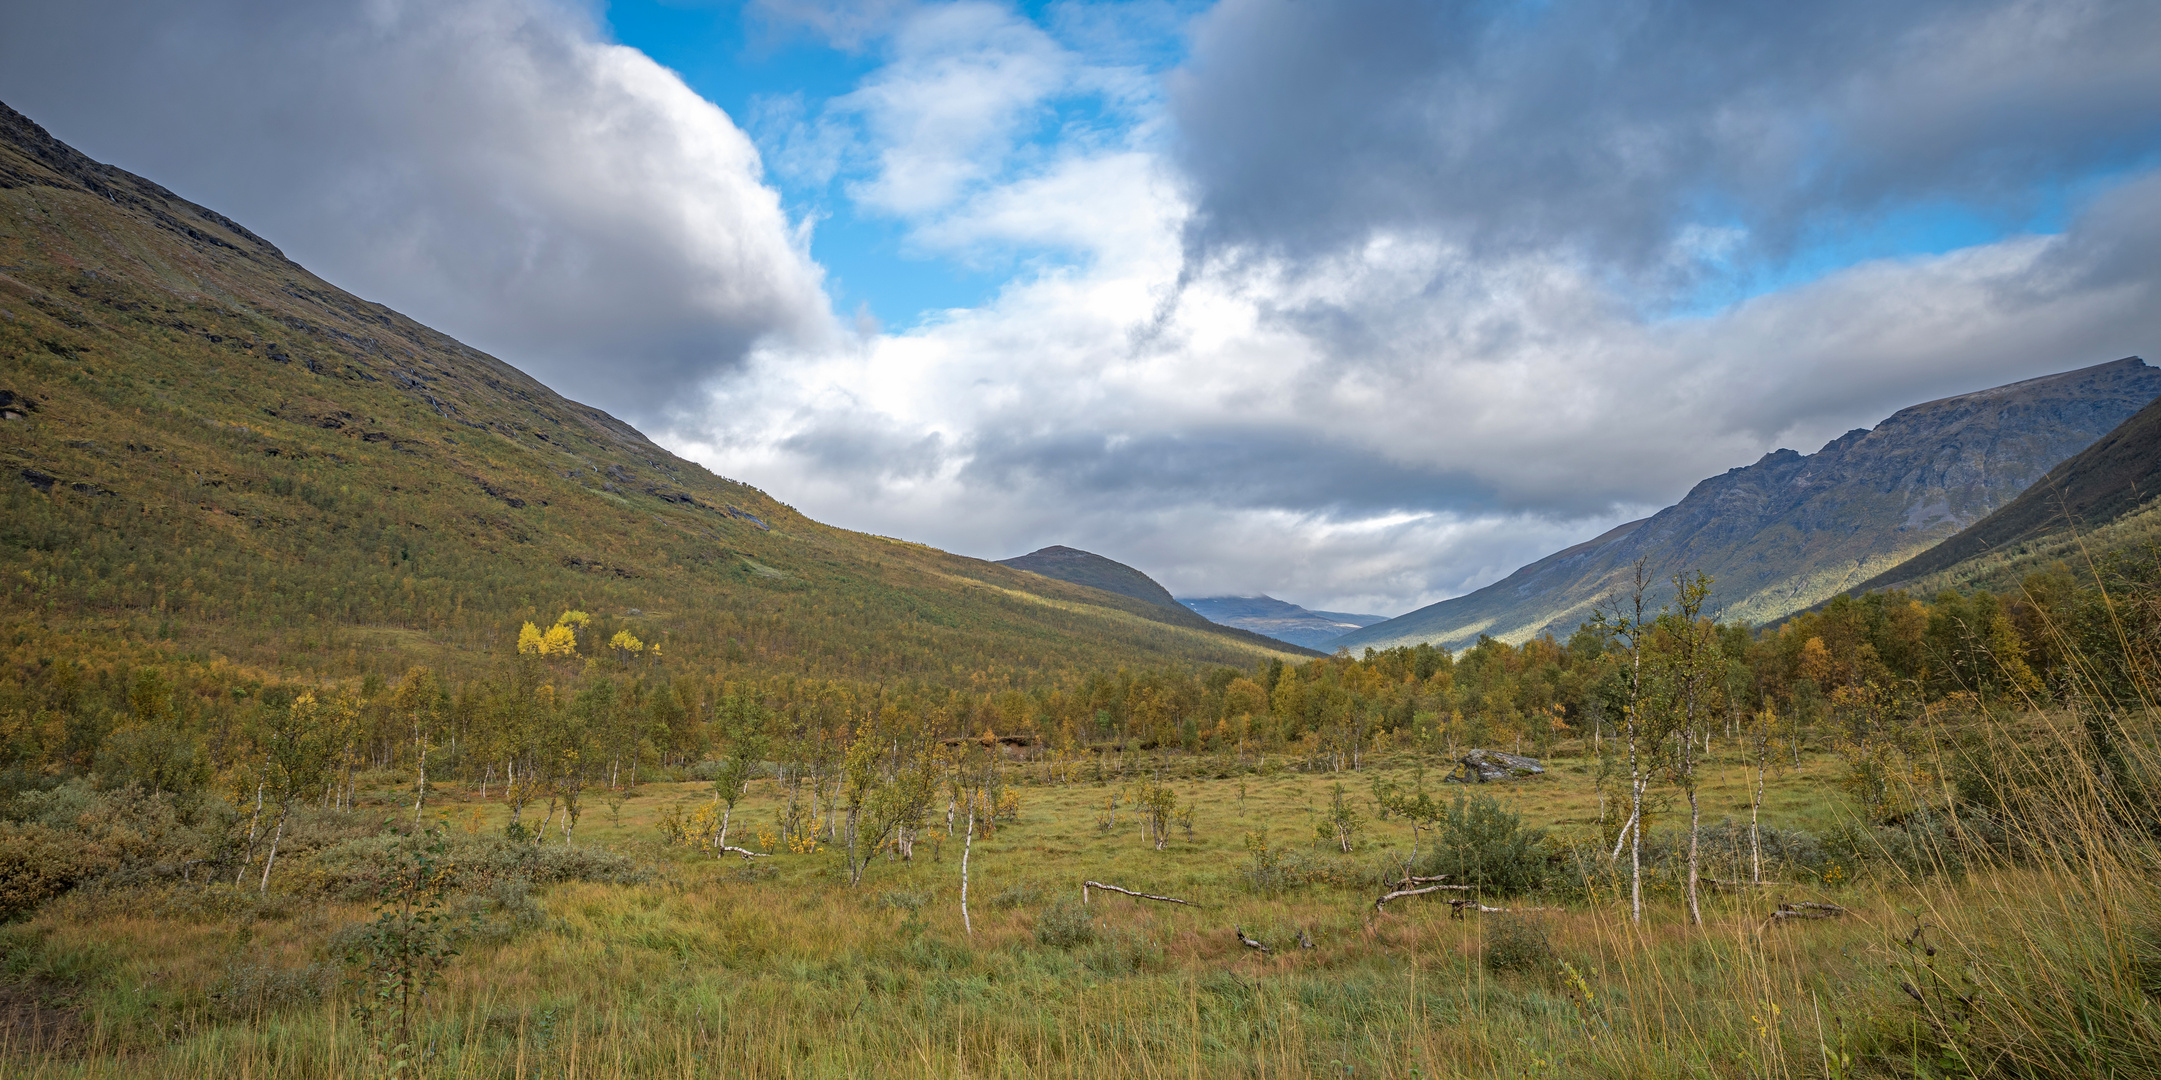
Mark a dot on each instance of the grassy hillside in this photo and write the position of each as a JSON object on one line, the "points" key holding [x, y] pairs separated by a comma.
{"points": [[1792, 530], [209, 449], [1086, 568]]}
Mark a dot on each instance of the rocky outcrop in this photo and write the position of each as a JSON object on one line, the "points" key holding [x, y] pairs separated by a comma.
{"points": [[2115, 477], [1486, 766]]}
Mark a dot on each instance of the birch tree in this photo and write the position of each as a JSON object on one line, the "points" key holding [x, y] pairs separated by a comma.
{"points": [[743, 725], [1626, 623], [1689, 669], [297, 748], [418, 701]]}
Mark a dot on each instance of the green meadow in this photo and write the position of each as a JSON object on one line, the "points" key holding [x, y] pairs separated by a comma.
{"points": [[690, 965]]}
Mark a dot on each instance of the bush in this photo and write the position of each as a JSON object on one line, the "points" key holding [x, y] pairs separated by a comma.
{"points": [[1013, 896], [1478, 843], [497, 913], [1514, 943], [1064, 925], [38, 863], [73, 835], [251, 988], [355, 869], [908, 900]]}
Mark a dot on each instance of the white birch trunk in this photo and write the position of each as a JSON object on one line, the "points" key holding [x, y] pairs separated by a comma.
{"points": [[284, 811], [966, 846], [253, 820]]}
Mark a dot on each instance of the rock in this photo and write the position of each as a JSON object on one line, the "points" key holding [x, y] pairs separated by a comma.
{"points": [[1480, 766]]}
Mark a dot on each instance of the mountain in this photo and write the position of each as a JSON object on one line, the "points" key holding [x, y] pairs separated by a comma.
{"points": [[2095, 500], [1093, 571], [1792, 529], [1280, 620], [206, 448]]}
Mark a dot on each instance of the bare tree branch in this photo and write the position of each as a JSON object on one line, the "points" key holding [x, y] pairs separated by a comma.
{"points": [[1087, 885]]}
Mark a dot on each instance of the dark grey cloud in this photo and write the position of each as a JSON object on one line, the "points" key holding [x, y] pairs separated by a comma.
{"points": [[1613, 129], [492, 167], [1229, 467]]}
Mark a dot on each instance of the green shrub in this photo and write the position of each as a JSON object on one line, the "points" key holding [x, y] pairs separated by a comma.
{"points": [[1064, 925], [1478, 843], [251, 988], [908, 900], [1515, 943], [1013, 896], [354, 869]]}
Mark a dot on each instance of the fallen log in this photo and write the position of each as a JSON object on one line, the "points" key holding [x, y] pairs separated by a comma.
{"points": [[1401, 893], [1087, 885], [1462, 906], [745, 852], [1807, 909]]}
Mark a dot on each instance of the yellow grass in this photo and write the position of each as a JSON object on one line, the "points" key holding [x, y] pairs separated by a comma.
{"points": [[716, 969]]}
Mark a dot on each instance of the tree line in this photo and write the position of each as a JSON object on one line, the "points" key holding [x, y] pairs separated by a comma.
{"points": [[584, 706]]}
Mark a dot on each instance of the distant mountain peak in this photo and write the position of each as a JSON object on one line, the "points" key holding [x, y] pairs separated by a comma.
{"points": [[1088, 568], [1077, 567], [2115, 478], [1792, 530]]}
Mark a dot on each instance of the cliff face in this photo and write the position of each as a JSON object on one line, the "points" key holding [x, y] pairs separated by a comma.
{"points": [[1792, 529], [2114, 479]]}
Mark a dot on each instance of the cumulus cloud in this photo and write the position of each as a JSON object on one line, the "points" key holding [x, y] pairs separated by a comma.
{"points": [[1249, 456], [1621, 130], [1385, 410], [1364, 305], [493, 167]]}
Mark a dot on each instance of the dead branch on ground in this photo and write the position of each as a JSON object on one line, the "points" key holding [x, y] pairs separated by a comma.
{"points": [[1807, 909], [1087, 885]]}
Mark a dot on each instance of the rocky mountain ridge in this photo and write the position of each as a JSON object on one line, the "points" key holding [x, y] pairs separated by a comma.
{"points": [[2106, 484], [1791, 529]]}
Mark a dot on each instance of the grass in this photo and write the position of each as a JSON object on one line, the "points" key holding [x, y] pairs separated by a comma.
{"points": [[779, 969]]}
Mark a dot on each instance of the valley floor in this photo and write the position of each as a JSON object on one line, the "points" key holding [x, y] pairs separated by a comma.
{"points": [[778, 967]]}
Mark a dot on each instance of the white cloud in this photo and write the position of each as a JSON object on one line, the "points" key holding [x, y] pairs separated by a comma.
{"points": [[1385, 427], [1248, 348], [965, 82], [491, 167]]}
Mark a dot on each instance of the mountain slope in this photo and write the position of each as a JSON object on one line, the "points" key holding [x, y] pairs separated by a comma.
{"points": [[1280, 620], [1092, 571], [2107, 484], [212, 447], [1793, 529], [1096, 572]]}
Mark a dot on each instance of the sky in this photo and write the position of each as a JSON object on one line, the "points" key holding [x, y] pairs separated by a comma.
{"points": [[1360, 304]]}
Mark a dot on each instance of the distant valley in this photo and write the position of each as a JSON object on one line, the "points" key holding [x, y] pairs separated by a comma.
{"points": [[1281, 620]]}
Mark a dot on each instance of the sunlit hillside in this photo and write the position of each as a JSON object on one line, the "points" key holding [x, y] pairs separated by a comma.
{"points": [[211, 451]]}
